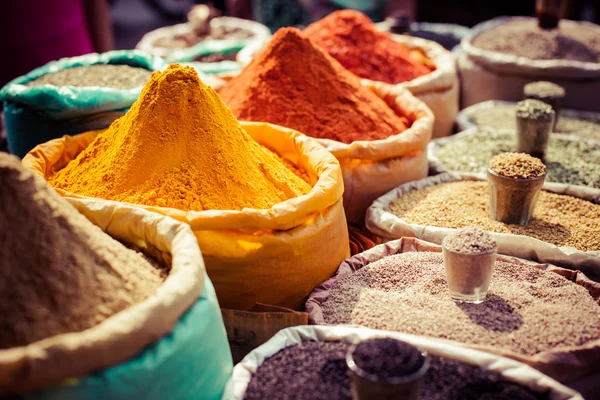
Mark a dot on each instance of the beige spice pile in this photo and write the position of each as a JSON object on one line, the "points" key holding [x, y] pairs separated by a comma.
{"points": [[558, 219], [517, 165], [526, 311], [59, 273]]}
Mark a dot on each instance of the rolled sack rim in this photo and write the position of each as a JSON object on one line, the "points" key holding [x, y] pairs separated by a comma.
{"points": [[70, 101], [326, 192], [414, 138], [510, 64], [577, 360], [54, 360]]}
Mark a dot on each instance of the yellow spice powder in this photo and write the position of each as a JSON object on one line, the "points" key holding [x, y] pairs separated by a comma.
{"points": [[179, 146]]}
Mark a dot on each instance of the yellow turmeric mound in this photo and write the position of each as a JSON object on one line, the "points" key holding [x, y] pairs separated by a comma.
{"points": [[179, 146]]}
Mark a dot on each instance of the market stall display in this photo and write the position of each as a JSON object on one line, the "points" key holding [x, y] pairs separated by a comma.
{"points": [[421, 66], [406, 279], [73, 95], [309, 362], [377, 132], [564, 229], [569, 160], [501, 115], [246, 207], [82, 310], [504, 54]]}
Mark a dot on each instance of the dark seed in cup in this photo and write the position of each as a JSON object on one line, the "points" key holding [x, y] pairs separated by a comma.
{"points": [[527, 310], [387, 358], [317, 370], [102, 75]]}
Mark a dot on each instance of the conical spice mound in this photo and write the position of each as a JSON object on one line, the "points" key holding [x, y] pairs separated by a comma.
{"points": [[294, 83], [179, 146], [59, 272]]}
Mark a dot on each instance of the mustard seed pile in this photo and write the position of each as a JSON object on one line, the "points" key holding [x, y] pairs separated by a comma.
{"points": [[517, 166], [558, 219], [470, 240], [104, 75], [527, 310], [59, 273]]}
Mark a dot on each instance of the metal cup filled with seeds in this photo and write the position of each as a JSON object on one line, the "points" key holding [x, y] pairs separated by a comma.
{"points": [[535, 120], [469, 257], [386, 369], [515, 181], [547, 92]]}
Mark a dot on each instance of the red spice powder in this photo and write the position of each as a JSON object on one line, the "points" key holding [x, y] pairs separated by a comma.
{"points": [[294, 83], [352, 38]]}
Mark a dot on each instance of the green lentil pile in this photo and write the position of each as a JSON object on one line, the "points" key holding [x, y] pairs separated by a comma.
{"points": [[103, 75], [558, 219], [503, 117], [567, 161]]}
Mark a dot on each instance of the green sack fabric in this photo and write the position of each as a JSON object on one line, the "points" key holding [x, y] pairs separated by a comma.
{"points": [[34, 115], [207, 47], [191, 363]]}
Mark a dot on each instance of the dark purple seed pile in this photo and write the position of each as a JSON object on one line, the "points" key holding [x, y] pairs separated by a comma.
{"points": [[317, 370], [387, 358]]}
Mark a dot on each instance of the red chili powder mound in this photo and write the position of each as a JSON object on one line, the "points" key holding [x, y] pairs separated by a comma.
{"points": [[294, 83], [353, 39]]}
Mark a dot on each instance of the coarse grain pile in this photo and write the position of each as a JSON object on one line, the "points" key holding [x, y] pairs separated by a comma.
{"points": [[527, 310], [558, 219], [503, 117], [517, 166], [572, 162], [59, 273], [470, 240], [534, 109], [526, 39], [196, 36], [317, 370], [387, 358], [353, 39], [179, 146], [543, 90], [316, 96], [103, 75]]}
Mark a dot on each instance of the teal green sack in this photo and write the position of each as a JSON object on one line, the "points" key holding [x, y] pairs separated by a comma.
{"points": [[208, 47], [35, 115], [191, 363]]}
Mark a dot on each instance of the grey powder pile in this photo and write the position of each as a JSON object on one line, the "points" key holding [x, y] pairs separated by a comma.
{"points": [[527, 310], [59, 273], [470, 240], [503, 117], [317, 370], [526, 39], [103, 75], [567, 161]]}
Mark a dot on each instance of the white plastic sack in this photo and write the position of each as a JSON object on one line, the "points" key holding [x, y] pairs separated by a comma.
{"points": [[389, 226], [490, 75], [511, 370]]}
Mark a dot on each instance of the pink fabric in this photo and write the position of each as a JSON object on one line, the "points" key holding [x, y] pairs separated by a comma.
{"points": [[35, 32]]}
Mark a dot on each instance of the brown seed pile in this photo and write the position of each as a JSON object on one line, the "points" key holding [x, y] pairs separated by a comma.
{"points": [[558, 219], [470, 240], [534, 109], [543, 89], [59, 273], [217, 57], [103, 75], [526, 39], [527, 310], [517, 166]]}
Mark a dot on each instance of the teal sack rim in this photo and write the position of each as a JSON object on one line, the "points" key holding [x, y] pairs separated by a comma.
{"points": [[208, 47], [69, 101]]}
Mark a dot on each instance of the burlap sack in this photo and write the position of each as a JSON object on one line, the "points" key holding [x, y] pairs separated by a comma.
{"points": [[511, 370], [388, 226], [489, 75], [564, 365], [275, 256], [128, 346]]}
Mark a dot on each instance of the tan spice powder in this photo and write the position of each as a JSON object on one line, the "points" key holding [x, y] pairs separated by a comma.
{"points": [[558, 219]]}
